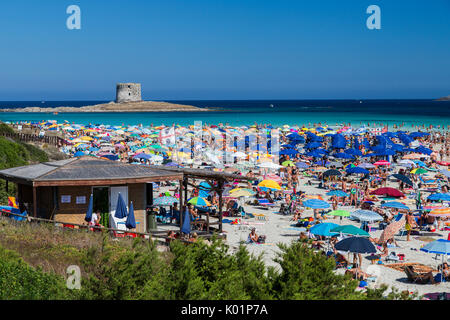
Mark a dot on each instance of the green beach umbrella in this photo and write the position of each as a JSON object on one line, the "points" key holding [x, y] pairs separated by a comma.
{"points": [[288, 163], [350, 229], [339, 213]]}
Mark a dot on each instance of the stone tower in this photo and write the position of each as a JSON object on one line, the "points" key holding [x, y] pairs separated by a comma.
{"points": [[128, 92]]}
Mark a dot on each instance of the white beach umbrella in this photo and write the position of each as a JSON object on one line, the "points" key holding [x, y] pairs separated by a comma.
{"points": [[269, 165], [239, 154], [212, 157]]}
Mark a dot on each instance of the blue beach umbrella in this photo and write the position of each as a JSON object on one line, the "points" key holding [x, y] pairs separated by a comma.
{"points": [[342, 155], [302, 165], [313, 154], [439, 196], [316, 204], [337, 193], [121, 209], [131, 222], [356, 245], [288, 152], [88, 216], [142, 156], [111, 157], [358, 170], [323, 229], [353, 152], [186, 228], [403, 178], [322, 162], [313, 145], [424, 150], [439, 246], [394, 204]]}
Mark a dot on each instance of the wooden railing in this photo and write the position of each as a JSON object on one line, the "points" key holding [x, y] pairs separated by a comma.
{"points": [[160, 235], [26, 137]]}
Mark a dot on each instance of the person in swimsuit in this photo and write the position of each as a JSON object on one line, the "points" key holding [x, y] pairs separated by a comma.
{"points": [[353, 194], [409, 224]]}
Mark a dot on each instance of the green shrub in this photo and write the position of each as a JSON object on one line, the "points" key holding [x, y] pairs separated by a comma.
{"points": [[12, 154], [308, 275], [19, 281], [4, 128]]}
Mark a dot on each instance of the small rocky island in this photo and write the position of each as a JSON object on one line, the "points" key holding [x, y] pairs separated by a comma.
{"points": [[447, 98], [128, 99], [138, 106]]}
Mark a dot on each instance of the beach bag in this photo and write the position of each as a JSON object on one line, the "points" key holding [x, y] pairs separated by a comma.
{"points": [[261, 239]]}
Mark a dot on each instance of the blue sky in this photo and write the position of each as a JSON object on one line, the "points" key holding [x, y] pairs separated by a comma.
{"points": [[225, 49]]}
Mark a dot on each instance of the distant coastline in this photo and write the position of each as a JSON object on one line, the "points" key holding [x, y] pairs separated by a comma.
{"points": [[447, 98], [141, 106]]}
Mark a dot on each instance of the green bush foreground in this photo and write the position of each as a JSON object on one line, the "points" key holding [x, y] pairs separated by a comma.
{"points": [[196, 271]]}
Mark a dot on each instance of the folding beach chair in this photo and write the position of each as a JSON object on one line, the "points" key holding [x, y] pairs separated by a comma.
{"points": [[260, 216]]}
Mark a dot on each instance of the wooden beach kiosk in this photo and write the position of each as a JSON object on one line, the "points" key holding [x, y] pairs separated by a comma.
{"points": [[61, 190]]}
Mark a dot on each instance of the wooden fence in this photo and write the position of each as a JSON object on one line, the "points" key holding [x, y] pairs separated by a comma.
{"points": [[26, 137], [159, 235]]}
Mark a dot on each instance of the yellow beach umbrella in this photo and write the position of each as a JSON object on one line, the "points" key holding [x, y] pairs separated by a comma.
{"points": [[270, 184], [86, 138]]}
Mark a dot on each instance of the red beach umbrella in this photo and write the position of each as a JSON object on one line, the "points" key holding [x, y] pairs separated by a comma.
{"points": [[382, 163], [388, 191]]}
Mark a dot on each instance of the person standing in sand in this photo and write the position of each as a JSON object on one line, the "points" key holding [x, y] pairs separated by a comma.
{"points": [[409, 224]]}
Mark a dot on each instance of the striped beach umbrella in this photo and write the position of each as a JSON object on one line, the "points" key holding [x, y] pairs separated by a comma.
{"points": [[419, 171], [200, 202], [441, 212]]}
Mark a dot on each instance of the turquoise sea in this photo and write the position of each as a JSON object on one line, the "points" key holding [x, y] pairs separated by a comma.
{"points": [[246, 112]]}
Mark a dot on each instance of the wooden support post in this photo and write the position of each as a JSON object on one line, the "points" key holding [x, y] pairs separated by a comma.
{"points": [[34, 202], [181, 203], [6, 186], [220, 187]]}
